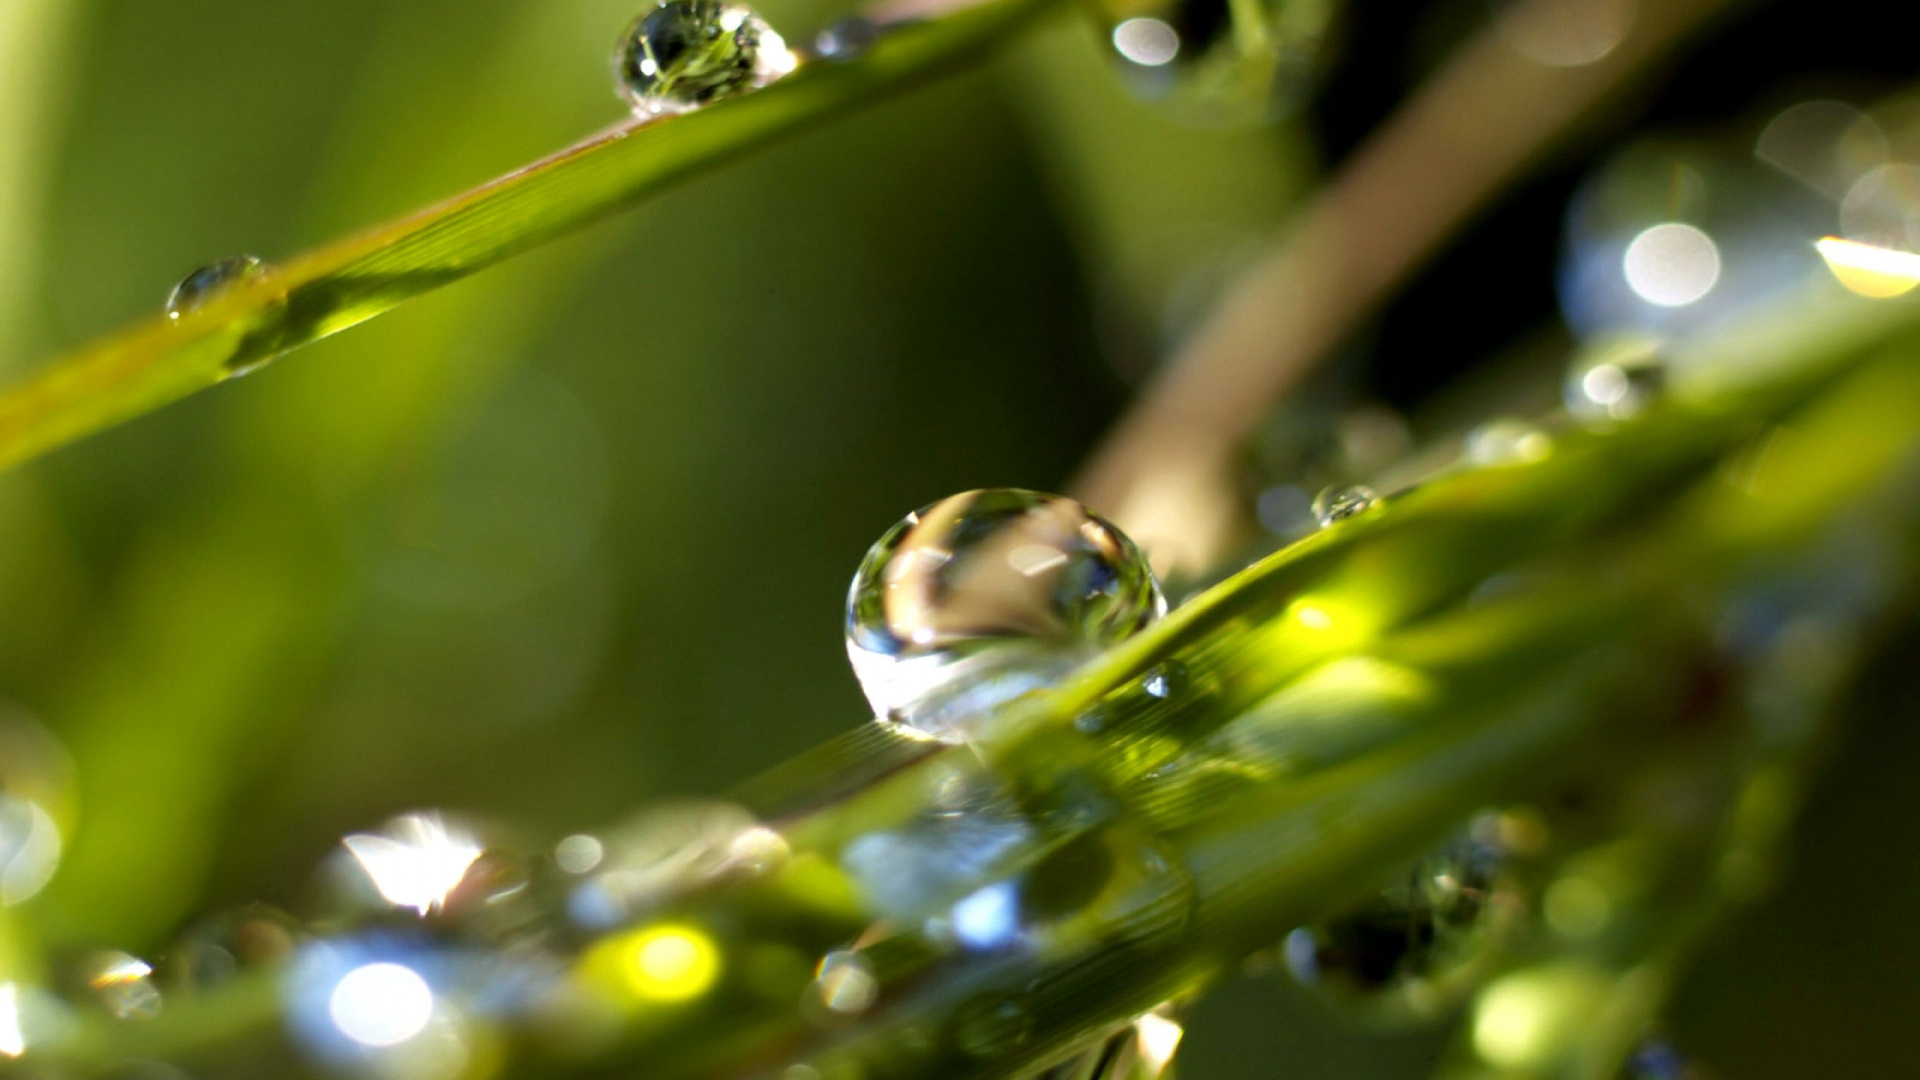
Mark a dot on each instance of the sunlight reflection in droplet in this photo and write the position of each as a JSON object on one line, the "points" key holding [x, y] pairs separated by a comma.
{"points": [[1671, 264], [417, 863], [1158, 1038], [1876, 272]]}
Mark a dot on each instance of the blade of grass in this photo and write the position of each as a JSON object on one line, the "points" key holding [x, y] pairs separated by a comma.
{"points": [[330, 289], [33, 39]]}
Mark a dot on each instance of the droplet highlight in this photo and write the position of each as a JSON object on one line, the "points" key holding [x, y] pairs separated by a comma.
{"points": [[684, 54], [1420, 943], [204, 283], [987, 596], [1616, 380], [1339, 503], [846, 39]]}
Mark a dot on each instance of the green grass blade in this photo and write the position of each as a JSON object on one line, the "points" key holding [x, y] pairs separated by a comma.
{"points": [[350, 281]]}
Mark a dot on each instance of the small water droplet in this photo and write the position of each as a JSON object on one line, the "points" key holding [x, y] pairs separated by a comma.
{"points": [[684, 54], [985, 597], [1420, 943], [1615, 381], [203, 284], [846, 39], [215, 949], [1339, 503], [1218, 62], [579, 853], [1142, 1050], [845, 983], [1508, 441], [1165, 680]]}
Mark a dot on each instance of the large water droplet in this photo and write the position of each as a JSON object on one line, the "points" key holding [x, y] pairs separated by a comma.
{"points": [[197, 288], [986, 596], [684, 54], [1340, 503], [1419, 944]]}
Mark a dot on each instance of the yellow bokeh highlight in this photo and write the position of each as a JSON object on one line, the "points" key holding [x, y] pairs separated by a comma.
{"points": [[1876, 272], [664, 963]]}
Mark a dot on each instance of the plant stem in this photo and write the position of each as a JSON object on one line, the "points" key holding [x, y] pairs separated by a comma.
{"points": [[328, 290], [1165, 472]]}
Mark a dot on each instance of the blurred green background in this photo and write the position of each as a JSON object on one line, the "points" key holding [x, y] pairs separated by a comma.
{"points": [[574, 534]]}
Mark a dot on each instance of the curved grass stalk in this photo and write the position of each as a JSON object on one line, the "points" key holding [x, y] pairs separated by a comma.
{"points": [[1140, 849], [335, 287]]}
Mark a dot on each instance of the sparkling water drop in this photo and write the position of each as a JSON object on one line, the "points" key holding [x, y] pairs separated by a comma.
{"points": [[1215, 60], [1508, 441], [986, 596], [1142, 1050], [846, 39], [1421, 942], [1339, 503], [200, 286], [1615, 380], [123, 984], [683, 54]]}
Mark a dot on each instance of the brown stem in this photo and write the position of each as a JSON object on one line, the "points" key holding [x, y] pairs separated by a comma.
{"points": [[1165, 472]]}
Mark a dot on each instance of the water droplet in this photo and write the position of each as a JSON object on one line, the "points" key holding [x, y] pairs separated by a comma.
{"points": [[1142, 1050], [1508, 441], [36, 789], [845, 983], [417, 861], [684, 54], [987, 596], [846, 39], [214, 950], [124, 985], [1339, 503], [1616, 380], [659, 855], [204, 283], [1140, 705], [1419, 944], [579, 853], [1216, 61]]}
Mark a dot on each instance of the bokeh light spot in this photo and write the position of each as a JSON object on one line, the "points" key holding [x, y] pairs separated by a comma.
{"points": [[1147, 41], [672, 963], [1671, 264], [381, 1004]]}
